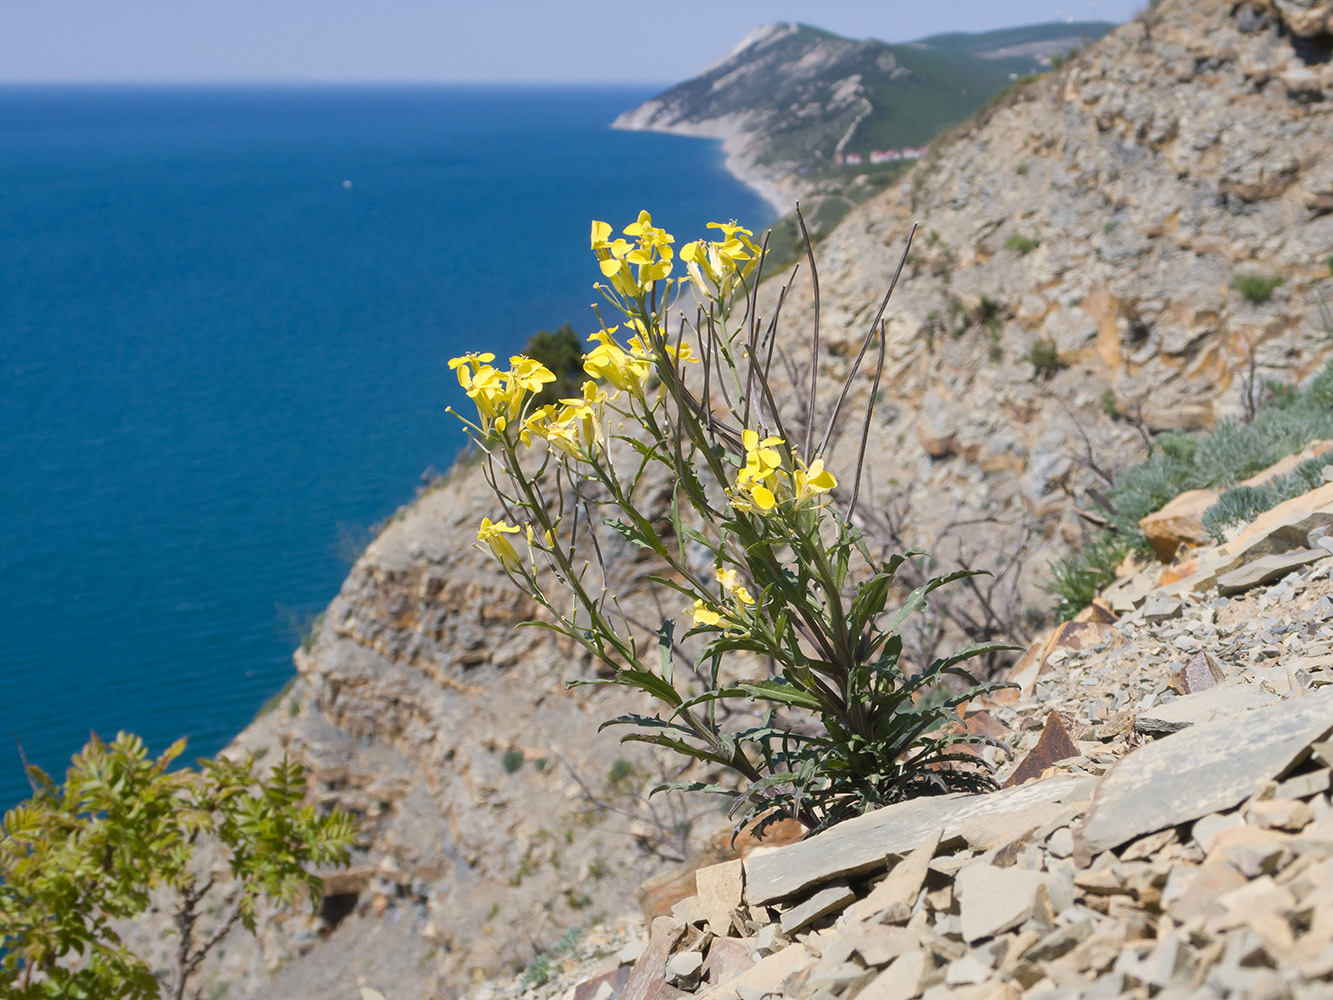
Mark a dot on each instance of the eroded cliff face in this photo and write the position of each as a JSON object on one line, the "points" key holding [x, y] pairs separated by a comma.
{"points": [[1187, 147]]}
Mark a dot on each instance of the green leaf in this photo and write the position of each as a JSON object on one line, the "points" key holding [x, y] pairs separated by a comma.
{"points": [[779, 691], [665, 635]]}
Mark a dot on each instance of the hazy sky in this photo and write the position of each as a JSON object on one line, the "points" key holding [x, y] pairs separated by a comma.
{"points": [[451, 40]]}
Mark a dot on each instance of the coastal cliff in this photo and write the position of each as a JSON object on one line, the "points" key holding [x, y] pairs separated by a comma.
{"points": [[790, 100], [1070, 288]]}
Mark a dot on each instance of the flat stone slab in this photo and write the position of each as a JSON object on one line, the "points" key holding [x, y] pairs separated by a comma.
{"points": [[1211, 705], [1203, 769], [1267, 569], [862, 844]]}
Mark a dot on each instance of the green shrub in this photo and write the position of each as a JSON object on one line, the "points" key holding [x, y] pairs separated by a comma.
{"points": [[1044, 357], [1077, 579], [512, 760], [561, 353], [544, 966], [1110, 226], [1021, 169], [1109, 406], [78, 856], [1230, 452], [784, 577], [1256, 288], [1023, 244]]}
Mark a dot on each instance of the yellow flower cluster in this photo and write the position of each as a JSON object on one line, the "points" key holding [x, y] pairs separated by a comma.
{"points": [[499, 395], [573, 427], [703, 614], [650, 255], [763, 481], [715, 266]]}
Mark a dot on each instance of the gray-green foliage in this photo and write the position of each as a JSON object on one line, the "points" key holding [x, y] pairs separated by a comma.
{"points": [[1024, 245], [1244, 503], [77, 858], [1256, 288], [543, 966], [1230, 452]]}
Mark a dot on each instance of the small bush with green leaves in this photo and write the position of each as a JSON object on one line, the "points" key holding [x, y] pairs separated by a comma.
{"points": [[1076, 580], [1256, 288], [763, 553], [78, 857], [545, 965], [1044, 356], [1022, 169], [1023, 245]]}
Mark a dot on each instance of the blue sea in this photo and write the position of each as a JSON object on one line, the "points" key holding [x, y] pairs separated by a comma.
{"points": [[225, 317]]}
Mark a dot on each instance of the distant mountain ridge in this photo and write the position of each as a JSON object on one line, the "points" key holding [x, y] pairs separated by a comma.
{"points": [[791, 99]]}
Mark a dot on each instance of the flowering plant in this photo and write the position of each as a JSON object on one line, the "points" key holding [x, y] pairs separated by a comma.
{"points": [[759, 541]]}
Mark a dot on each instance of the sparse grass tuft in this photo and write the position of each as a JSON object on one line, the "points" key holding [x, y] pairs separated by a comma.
{"points": [[1076, 580], [1256, 288], [1024, 245], [1044, 357], [1285, 423]]}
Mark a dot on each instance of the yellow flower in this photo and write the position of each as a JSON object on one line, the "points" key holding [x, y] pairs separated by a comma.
{"points": [[609, 362], [536, 423], [584, 416], [762, 460], [528, 374], [813, 481], [650, 235], [651, 255], [493, 534], [703, 614], [487, 388], [727, 577], [472, 360], [762, 496]]}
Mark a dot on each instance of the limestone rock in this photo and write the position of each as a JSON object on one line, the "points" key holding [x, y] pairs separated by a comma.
{"points": [[1200, 770], [1179, 523]]}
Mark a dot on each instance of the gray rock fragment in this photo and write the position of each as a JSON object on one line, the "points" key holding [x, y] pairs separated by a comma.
{"points": [[1203, 769]]}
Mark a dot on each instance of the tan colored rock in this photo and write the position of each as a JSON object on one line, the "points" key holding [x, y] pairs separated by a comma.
{"points": [[1179, 523], [766, 975], [1290, 815], [994, 900], [901, 885], [721, 890], [1303, 17], [900, 981], [1286, 524]]}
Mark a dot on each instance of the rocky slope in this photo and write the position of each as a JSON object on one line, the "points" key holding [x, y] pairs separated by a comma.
{"points": [[1094, 222], [1165, 829], [1187, 147]]}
